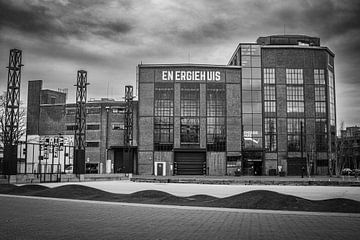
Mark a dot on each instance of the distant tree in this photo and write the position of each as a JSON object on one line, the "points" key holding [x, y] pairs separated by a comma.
{"points": [[21, 124]]}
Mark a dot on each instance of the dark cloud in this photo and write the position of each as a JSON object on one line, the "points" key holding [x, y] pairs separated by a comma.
{"points": [[64, 21], [29, 19], [109, 37]]}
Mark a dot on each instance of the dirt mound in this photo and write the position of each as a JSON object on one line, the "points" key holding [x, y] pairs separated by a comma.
{"points": [[74, 191], [259, 199], [5, 188], [27, 189], [150, 194], [201, 198]]}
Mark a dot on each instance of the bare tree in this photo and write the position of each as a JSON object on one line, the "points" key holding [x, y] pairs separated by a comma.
{"points": [[21, 124]]}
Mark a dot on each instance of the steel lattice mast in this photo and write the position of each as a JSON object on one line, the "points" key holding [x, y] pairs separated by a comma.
{"points": [[12, 111], [129, 118], [80, 122]]}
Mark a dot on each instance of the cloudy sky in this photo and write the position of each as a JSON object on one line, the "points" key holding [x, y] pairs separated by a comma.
{"points": [[108, 38]]}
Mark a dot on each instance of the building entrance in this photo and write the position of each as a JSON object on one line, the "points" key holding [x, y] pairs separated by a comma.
{"points": [[124, 160], [189, 163]]}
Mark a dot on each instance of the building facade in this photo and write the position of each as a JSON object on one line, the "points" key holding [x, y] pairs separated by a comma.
{"points": [[274, 114], [270, 111], [189, 119], [293, 112], [349, 148], [51, 121]]}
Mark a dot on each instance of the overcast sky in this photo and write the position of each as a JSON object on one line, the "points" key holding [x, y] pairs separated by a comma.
{"points": [[108, 38]]}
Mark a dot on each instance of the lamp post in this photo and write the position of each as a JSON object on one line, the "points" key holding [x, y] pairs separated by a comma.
{"points": [[107, 135]]}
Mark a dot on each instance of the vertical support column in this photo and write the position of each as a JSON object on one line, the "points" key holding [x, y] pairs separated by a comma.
{"points": [[80, 122], [11, 124]]}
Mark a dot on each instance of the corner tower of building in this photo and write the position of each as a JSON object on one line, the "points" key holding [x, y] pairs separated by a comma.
{"points": [[288, 102]]}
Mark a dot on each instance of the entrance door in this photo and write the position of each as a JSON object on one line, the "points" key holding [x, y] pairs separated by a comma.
{"points": [[123, 161], [160, 169], [190, 163]]}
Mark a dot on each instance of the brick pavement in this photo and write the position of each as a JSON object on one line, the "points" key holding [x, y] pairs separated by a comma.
{"points": [[31, 218]]}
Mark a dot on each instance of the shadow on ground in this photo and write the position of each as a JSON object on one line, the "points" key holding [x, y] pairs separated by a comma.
{"points": [[259, 199]]}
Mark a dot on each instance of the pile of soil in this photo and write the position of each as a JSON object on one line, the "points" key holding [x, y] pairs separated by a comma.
{"points": [[259, 199]]}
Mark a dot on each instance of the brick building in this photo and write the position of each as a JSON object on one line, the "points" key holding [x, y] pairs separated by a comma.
{"points": [[271, 110], [274, 113], [292, 77], [349, 148], [50, 118]]}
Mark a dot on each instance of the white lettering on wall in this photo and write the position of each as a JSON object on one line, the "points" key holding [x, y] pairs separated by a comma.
{"points": [[191, 75]]}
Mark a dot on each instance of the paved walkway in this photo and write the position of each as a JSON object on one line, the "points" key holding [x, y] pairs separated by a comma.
{"points": [[308, 192], [32, 218]]}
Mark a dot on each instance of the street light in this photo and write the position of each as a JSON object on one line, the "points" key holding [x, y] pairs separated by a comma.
{"points": [[107, 136]]}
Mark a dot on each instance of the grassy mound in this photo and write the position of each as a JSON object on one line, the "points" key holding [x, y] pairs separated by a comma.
{"points": [[259, 199]]}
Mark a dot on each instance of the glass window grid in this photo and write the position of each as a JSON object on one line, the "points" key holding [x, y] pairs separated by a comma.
{"points": [[190, 112], [270, 143], [163, 120], [320, 93], [321, 142], [270, 134], [270, 106], [320, 107], [216, 111], [295, 107], [189, 130], [319, 76], [294, 133], [252, 94], [294, 76], [331, 98], [269, 92], [294, 93], [295, 99], [269, 75]]}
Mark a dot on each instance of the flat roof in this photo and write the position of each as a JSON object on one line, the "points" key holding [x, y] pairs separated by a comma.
{"points": [[188, 65], [283, 46]]}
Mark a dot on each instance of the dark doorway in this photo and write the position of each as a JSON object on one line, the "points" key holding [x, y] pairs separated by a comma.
{"points": [[295, 165], [160, 169], [190, 163], [124, 160]]}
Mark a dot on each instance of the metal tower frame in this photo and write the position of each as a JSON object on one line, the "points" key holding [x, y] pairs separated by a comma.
{"points": [[80, 122], [129, 117], [12, 111]]}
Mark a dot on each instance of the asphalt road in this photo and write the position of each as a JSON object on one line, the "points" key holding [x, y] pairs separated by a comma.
{"points": [[39, 218], [308, 192]]}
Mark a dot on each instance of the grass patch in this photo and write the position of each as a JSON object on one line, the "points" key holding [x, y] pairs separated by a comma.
{"points": [[258, 199]]}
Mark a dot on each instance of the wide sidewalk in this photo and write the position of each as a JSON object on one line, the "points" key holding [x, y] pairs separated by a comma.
{"points": [[220, 190], [40, 218]]}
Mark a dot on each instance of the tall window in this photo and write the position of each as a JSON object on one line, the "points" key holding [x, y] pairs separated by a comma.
{"points": [[269, 98], [270, 134], [321, 135], [320, 111], [295, 129], [163, 120], [252, 104], [294, 92], [189, 109], [332, 98], [295, 99], [216, 111], [319, 76]]}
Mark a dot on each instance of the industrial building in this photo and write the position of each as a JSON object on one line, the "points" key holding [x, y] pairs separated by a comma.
{"points": [[270, 111], [51, 121]]}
